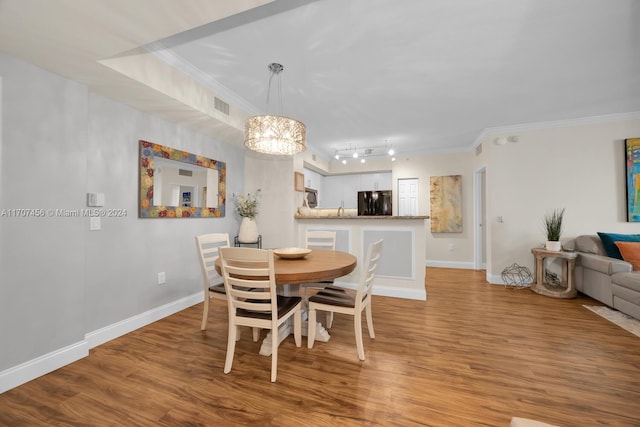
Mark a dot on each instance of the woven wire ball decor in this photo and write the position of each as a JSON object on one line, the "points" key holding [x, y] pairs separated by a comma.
{"points": [[516, 276]]}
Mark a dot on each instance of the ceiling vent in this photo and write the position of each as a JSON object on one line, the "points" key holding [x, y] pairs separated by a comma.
{"points": [[185, 172], [220, 105], [479, 149]]}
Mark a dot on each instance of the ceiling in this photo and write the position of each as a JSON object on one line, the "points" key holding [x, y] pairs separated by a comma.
{"points": [[421, 76]]}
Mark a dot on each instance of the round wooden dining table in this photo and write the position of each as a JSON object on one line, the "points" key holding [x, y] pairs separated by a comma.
{"points": [[318, 266]]}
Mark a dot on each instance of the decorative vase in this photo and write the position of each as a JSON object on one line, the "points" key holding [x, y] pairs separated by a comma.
{"points": [[554, 245], [304, 210], [248, 231]]}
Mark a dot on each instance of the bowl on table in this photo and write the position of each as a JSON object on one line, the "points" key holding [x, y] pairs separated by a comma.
{"points": [[292, 253]]}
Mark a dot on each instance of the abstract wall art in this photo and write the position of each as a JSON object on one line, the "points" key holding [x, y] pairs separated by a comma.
{"points": [[446, 204], [632, 146]]}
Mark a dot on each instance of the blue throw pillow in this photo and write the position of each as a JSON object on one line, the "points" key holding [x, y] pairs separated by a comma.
{"points": [[609, 239]]}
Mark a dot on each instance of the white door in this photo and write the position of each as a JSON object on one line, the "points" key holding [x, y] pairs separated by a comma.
{"points": [[408, 197]]}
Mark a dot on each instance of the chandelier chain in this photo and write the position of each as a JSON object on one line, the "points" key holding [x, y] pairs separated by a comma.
{"points": [[275, 70]]}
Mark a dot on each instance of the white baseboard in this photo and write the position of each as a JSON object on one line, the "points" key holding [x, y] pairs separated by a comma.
{"points": [[450, 264], [125, 326], [388, 291], [495, 279], [32, 369]]}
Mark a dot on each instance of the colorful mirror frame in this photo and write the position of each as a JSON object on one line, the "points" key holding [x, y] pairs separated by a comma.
{"points": [[148, 151]]}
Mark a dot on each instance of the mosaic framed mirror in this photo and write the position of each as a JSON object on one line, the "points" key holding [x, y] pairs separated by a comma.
{"points": [[178, 184]]}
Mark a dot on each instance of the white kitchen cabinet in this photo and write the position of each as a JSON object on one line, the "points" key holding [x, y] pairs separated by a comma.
{"points": [[384, 181], [350, 188], [312, 179], [331, 194], [367, 182], [342, 190], [375, 181]]}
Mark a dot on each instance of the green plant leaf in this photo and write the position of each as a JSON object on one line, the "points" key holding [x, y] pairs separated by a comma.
{"points": [[553, 224]]}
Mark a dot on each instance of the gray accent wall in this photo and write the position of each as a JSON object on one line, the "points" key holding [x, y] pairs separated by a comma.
{"points": [[44, 136], [58, 280]]}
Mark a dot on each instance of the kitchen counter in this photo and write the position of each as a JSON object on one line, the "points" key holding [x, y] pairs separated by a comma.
{"points": [[362, 217], [401, 272]]}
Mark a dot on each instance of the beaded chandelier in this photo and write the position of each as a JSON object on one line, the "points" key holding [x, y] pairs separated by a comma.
{"points": [[275, 134]]}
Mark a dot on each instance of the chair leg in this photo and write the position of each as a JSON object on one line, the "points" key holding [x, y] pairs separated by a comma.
{"points": [[370, 321], [274, 354], [357, 324], [297, 328], [256, 334], [205, 312], [231, 347], [329, 319], [311, 328]]}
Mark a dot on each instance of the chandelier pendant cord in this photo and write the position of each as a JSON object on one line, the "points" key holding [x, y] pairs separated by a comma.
{"points": [[274, 70]]}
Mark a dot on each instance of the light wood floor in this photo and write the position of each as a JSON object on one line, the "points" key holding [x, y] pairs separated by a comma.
{"points": [[474, 354]]}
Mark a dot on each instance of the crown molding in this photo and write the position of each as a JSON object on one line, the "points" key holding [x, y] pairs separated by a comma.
{"points": [[527, 127], [160, 51]]}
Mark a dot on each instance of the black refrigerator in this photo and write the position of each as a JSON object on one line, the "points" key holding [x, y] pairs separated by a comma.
{"points": [[374, 203]]}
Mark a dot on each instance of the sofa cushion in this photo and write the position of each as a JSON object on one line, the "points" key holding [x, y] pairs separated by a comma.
{"points": [[590, 244], [603, 264], [629, 280], [626, 292], [609, 239], [631, 253]]}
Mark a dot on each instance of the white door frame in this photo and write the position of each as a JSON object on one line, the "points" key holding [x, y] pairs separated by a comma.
{"points": [[479, 218]]}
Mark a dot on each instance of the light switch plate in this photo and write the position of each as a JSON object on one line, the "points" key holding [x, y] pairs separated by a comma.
{"points": [[95, 199], [94, 223]]}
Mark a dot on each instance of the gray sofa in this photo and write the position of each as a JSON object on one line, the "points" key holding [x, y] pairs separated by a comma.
{"points": [[608, 280]]}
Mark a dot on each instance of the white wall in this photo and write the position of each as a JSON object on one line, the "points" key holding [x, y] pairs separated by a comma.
{"points": [[124, 258], [578, 167], [274, 175], [61, 282], [44, 137], [422, 168]]}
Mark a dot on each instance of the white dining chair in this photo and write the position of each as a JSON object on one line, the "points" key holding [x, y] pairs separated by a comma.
{"points": [[250, 284], [318, 239], [336, 300], [213, 285]]}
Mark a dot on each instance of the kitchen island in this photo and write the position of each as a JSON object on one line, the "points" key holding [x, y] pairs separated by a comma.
{"points": [[401, 272]]}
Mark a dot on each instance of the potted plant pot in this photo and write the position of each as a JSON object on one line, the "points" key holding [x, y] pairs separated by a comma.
{"points": [[553, 245], [553, 229]]}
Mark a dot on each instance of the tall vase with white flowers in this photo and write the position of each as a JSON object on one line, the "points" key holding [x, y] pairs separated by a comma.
{"points": [[247, 208]]}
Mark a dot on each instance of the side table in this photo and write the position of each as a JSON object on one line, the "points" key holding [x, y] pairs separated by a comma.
{"points": [[257, 244], [567, 288]]}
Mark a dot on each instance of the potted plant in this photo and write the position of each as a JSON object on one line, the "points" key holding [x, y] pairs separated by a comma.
{"points": [[247, 208], [553, 229]]}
